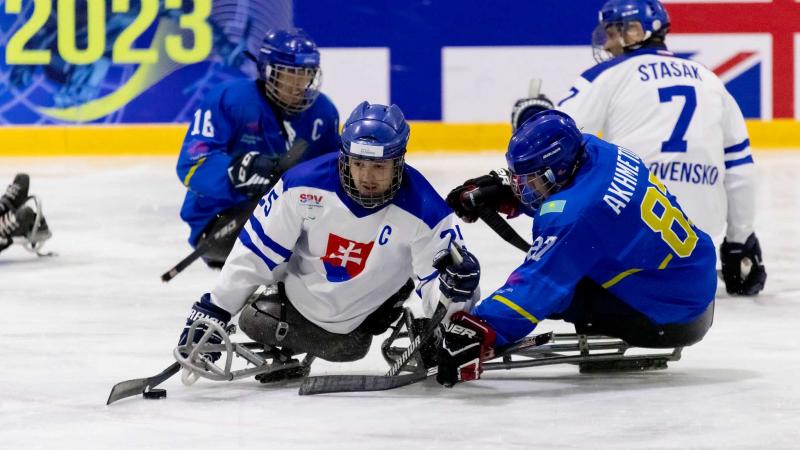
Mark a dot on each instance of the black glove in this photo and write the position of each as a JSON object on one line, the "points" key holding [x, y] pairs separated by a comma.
{"points": [[430, 348], [732, 255], [253, 174], [204, 309], [492, 191], [467, 342], [457, 282], [524, 108]]}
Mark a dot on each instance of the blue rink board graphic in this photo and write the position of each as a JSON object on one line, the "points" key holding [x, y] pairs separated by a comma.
{"points": [[107, 91]]}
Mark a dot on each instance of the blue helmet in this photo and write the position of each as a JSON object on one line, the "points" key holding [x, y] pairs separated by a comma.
{"points": [[651, 14], [288, 64], [374, 136], [543, 155]]}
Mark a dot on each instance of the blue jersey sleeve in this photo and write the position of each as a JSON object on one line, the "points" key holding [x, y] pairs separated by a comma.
{"points": [[559, 258], [204, 159]]}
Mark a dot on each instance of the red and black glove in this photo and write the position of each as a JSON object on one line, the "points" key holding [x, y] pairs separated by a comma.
{"points": [[492, 191], [467, 342]]}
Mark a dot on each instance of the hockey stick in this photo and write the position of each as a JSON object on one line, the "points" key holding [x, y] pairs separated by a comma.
{"points": [[329, 384], [503, 229], [232, 226], [235, 224], [313, 385], [138, 386], [436, 319]]}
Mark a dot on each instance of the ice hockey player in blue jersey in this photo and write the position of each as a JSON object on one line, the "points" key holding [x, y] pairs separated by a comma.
{"points": [[677, 115], [246, 133], [613, 252], [338, 240]]}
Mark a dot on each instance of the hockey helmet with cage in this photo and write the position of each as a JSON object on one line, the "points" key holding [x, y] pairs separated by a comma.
{"points": [[288, 64], [543, 155], [650, 14], [373, 137]]}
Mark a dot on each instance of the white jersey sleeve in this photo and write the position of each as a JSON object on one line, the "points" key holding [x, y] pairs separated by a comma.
{"points": [[740, 174], [260, 251], [587, 102], [423, 250]]}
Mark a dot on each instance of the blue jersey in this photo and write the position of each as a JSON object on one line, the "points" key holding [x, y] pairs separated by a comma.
{"points": [[235, 119], [617, 225]]}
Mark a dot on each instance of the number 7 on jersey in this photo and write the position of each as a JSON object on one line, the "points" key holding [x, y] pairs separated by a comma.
{"points": [[676, 141]]}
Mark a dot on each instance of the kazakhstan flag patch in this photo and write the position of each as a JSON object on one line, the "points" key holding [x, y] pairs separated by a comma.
{"points": [[555, 206]]}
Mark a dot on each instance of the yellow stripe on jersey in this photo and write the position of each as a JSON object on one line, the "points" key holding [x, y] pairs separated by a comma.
{"points": [[619, 277], [516, 308], [665, 262], [192, 171]]}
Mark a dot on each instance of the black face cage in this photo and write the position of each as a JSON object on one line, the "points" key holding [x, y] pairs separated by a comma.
{"points": [[374, 201], [283, 89]]}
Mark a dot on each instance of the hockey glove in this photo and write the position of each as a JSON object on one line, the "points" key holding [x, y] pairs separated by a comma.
{"points": [[428, 349], [458, 282], [734, 256], [524, 108], [492, 191], [204, 309], [253, 174], [467, 342]]}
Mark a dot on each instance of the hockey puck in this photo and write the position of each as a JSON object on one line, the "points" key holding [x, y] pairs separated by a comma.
{"points": [[153, 394]]}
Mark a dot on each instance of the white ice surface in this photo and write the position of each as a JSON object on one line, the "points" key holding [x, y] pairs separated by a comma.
{"points": [[75, 324]]}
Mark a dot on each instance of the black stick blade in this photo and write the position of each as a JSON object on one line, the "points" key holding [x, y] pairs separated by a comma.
{"points": [[130, 388], [328, 384]]}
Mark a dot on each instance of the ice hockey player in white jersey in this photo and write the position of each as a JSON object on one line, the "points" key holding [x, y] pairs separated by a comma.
{"points": [[678, 117], [342, 240]]}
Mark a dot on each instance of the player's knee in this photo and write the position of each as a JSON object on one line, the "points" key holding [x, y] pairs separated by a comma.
{"points": [[350, 347], [259, 320], [271, 320]]}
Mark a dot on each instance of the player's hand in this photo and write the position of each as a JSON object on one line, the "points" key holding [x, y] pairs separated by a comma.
{"points": [[524, 108], [253, 174], [492, 191], [467, 342], [458, 282], [204, 309], [734, 256]]}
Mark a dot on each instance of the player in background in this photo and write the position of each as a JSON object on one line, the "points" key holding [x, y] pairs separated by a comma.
{"points": [[677, 115], [17, 219], [613, 252], [234, 149], [338, 240]]}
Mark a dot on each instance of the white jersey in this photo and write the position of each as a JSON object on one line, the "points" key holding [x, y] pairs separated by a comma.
{"points": [[339, 261], [679, 118]]}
